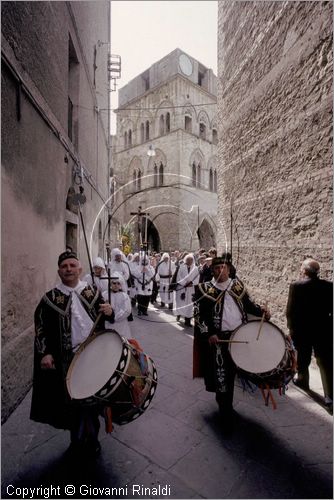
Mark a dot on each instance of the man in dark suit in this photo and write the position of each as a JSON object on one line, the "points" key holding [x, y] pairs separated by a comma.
{"points": [[310, 321]]}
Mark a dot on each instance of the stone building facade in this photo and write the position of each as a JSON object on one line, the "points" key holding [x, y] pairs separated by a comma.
{"points": [[172, 108], [54, 143], [275, 114]]}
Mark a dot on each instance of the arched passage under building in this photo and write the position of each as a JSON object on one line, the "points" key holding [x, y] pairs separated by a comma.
{"points": [[206, 235], [153, 238]]}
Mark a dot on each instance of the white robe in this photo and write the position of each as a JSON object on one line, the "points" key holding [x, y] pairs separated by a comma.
{"points": [[165, 269], [122, 268], [185, 307], [121, 304], [132, 291], [147, 282]]}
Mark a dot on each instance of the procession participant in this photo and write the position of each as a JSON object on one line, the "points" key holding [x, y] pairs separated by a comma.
{"points": [[63, 320], [187, 276], [198, 254], [119, 264], [165, 271], [212, 252], [176, 256], [221, 306], [121, 305], [154, 260], [133, 264], [205, 269], [143, 276], [310, 321], [99, 274], [129, 257]]}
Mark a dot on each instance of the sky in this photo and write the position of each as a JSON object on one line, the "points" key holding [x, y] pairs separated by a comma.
{"points": [[142, 32]]}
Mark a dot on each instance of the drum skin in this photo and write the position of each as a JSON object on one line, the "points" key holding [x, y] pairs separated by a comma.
{"points": [[108, 371], [266, 358]]}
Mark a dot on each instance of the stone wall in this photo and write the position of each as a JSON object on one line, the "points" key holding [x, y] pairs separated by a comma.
{"points": [[275, 153], [39, 161]]}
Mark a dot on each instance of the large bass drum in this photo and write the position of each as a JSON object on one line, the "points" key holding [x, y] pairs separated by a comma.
{"points": [[108, 370], [263, 354]]}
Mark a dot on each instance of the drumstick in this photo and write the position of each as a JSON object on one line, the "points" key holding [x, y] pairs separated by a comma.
{"points": [[234, 341], [95, 324], [261, 324]]}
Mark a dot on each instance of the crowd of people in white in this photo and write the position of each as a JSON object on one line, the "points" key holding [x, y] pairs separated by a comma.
{"points": [[166, 280]]}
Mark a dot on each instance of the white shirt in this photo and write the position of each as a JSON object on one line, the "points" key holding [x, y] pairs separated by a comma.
{"points": [[232, 317], [81, 323]]}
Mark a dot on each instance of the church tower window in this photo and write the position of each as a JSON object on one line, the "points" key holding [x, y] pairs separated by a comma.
{"points": [[161, 174], [188, 124], [194, 175], [155, 175], [161, 125], [202, 130], [198, 180], [167, 123], [211, 184], [139, 180]]}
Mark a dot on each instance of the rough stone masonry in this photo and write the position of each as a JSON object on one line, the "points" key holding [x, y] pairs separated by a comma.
{"points": [[275, 152]]}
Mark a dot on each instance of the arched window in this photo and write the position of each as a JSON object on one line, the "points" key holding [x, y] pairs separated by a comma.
{"points": [[142, 133], [215, 181], [198, 180], [202, 130], [139, 180], [211, 186], [161, 125], [134, 180], [188, 127], [100, 238], [130, 137], [214, 136], [167, 123], [155, 175], [147, 130], [125, 139], [194, 175], [161, 174]]}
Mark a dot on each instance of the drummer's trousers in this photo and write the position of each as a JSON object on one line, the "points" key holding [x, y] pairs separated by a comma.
{"points": [[85, 425], [225, 375]]}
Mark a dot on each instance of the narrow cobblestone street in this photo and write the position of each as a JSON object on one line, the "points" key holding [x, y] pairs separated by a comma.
{"points": [[178, 444]]}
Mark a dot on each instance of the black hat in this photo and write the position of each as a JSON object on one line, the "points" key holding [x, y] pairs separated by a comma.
{"points": [[226, 258], [66, 255]]}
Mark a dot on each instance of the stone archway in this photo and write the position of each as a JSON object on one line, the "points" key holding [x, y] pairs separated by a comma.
{"points": [[153, 238], [206, 235]]}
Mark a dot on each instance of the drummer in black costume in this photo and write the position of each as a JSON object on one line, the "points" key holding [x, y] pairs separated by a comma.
{"points": [[220, 306], [63, 320]]}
